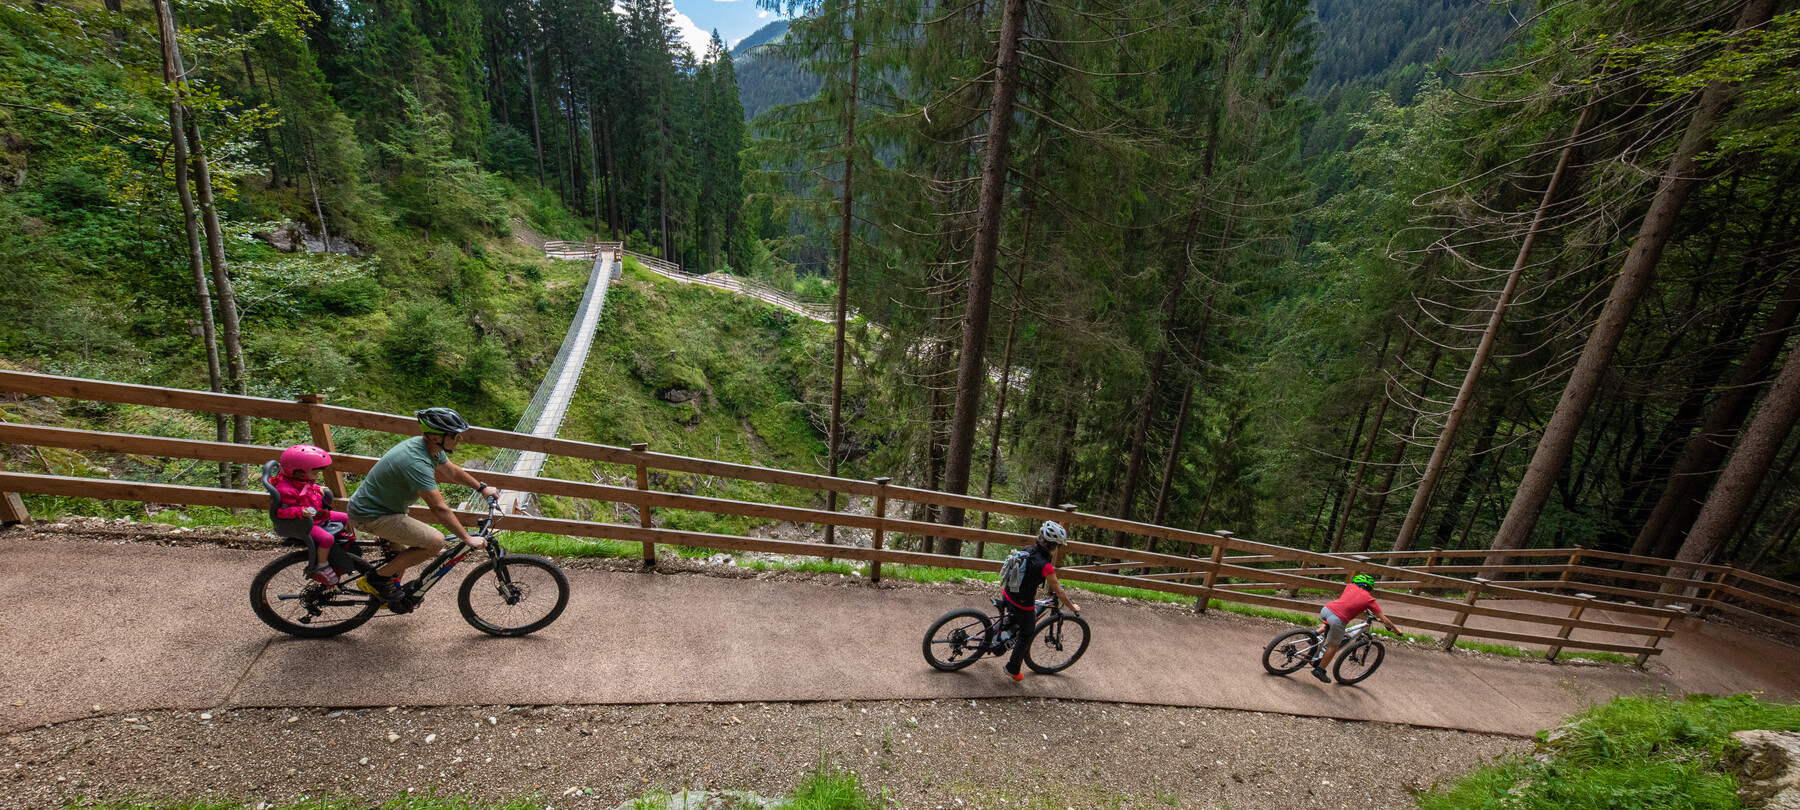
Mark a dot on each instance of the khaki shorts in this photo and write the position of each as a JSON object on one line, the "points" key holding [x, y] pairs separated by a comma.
{"points": [[401, 530]]}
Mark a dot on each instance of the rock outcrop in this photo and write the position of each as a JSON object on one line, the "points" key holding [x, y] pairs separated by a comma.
{"points": [[1768, 769]]}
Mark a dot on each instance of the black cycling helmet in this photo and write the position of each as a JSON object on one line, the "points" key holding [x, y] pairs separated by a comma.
{"points": [[441, 420]]}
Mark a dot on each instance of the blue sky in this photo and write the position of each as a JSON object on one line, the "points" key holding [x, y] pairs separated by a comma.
{"points": [[735, 19]]}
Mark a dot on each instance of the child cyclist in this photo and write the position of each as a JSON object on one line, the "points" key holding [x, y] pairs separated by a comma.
{"points": [[1021, 603], [1357, 597], [301, 496]]}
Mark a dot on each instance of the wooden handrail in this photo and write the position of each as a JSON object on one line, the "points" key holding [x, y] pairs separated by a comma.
{"points": [[1234, 555]]}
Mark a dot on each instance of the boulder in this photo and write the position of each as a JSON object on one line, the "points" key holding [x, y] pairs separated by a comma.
{"points": [[679, 395], [1768, 767]]}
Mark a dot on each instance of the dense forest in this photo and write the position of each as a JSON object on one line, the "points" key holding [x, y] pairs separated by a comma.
{"points": [[1531, 292], [1342, 275]]}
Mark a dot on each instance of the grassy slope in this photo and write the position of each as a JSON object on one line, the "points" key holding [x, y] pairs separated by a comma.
{"points": [[1652, 752], [753, 370]]}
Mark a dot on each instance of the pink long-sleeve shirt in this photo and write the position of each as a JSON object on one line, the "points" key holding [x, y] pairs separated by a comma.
{"points": [[296, 496]]}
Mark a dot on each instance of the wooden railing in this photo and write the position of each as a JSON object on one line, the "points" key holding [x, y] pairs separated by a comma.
{"points": [[1203, 566]]}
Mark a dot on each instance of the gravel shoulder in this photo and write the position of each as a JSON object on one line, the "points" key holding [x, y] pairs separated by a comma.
{"points": [[1027, 753]]}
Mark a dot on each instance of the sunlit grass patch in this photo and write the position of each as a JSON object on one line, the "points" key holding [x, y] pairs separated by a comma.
{"points": [[1656, 752]]}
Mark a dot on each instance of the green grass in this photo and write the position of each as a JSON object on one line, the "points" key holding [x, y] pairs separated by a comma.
{"points": [[1634, 752], [1520, 652], [557, 545], [926, 573], [804, 566]]}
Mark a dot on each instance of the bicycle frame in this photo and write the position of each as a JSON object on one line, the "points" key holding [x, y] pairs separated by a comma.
{"points": [[455, 551]]}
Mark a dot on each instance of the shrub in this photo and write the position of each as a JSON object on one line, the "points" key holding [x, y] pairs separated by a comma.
{"points": [[424, 338]]}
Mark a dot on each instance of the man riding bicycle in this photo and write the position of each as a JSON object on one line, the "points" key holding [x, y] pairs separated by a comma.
{"points": [[404, 474], [1357, 597], [1021, 604]]}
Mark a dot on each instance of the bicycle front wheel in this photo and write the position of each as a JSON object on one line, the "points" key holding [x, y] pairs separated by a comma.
{"points": [[957, 639], [1059, 642], [515, 595], [284, 598], [1289, 651], [1358, 661]]}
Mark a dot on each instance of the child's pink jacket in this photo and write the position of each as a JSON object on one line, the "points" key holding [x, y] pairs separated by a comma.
{"points": [[296, 496]]}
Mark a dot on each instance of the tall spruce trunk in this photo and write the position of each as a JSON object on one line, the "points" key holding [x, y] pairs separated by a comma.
{"points": [[173, 76], [1681, 499], [843, 269], [1153, 386], [221, 279], [1465, 483], [1680, 178], [971, 372], [1387, 478], [613, 220], [1342, 522], [1182, 414], [1415, 514], [1744, 472], [537, 134]]}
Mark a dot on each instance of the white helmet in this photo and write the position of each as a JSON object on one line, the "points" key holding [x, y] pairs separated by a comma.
{"points": [[1053, 533]]}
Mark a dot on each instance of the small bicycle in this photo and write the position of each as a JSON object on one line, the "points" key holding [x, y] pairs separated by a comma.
{"points": [[960, 637], [1358, 658], [506, 595]]}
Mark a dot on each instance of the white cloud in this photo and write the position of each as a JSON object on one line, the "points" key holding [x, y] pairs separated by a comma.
{"points": [[763, 14], [696, 39]]}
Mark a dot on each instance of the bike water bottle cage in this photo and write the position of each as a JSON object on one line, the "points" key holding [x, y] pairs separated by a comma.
{"points": [[1366, 581], [441, 420]]}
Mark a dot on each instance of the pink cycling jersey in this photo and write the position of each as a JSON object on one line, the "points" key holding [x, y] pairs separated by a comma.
{"points": [[1352, 602]]}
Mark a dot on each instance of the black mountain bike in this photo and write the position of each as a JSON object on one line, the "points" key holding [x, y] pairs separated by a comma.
{"points": [[960, 637], [1358, 658], [506, 595]]}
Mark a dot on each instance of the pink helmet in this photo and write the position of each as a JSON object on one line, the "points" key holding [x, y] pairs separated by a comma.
{"points": [[303, 457]]}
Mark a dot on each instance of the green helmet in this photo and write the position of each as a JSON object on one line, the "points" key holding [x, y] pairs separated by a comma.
{"points": [[1365, 580]]}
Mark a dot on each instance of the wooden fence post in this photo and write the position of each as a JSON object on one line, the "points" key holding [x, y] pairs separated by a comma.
{"points": [[880, 528], [1713, 593], [1568, 571], [1293, 593], [12, 507], [643, 485], [1655, 640], [1431, 561], [1212, 573], [1462, 616], [321, 436], [1567, 629]]}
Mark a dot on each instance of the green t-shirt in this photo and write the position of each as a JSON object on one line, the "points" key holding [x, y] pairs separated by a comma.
{"points": [[396, 480]]}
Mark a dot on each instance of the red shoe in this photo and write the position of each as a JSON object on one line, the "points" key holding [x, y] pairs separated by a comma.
{"points": [[1018, 676], [326, 576]]}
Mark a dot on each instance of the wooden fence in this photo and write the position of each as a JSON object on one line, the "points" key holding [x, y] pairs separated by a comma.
{"points": [[1199, 565]]}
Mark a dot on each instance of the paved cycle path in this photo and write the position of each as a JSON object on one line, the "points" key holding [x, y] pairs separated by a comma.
{"points": [[126, 627]]}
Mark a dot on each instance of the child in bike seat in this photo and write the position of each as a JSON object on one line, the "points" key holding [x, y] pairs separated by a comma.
{"points": [[301, 496], [1358, 596]]}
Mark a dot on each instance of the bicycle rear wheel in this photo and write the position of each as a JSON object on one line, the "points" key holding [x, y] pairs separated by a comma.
{"points": [[1059, 642], [1358, 661], [515, 595], [284, 598], [957, 639], [1289, 651]]}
